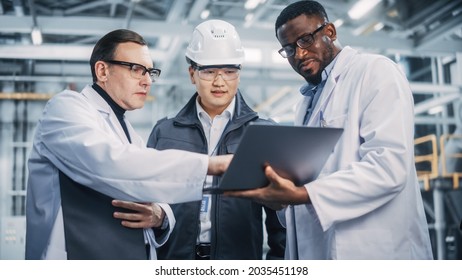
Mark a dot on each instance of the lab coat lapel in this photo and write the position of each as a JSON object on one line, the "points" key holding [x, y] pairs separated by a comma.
{"points": [[301, 110], [344, 58], [324, 98], [136, 140], [104, 108]]}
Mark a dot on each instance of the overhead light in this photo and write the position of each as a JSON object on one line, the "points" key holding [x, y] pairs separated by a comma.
{"points": [[248, 17], [248, 20], [251, 4], [379, 26], [339, 22], [36, 35], [435, 110], [205, 14], [253, 55], [362, 7]]}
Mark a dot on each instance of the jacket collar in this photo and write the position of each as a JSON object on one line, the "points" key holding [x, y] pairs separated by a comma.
{"points": [[188, 114]]}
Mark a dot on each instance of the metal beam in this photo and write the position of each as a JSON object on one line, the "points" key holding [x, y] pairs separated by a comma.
{"points": [[112, 9], [143, 10], [172, 45], [196, 9], [84, 7], [429, 88], [58, 52], [181, 80], [430, 14], [261, 10], [432, 120], [424, 106], [438, 35], [92, 26], [129, 15], [276, 97]]}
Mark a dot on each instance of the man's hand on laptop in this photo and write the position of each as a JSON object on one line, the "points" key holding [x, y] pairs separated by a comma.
{"points": [[278, 194]]}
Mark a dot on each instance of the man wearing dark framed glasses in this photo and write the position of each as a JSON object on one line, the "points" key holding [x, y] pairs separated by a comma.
{"points": [[352, 211], [137, 71], [303, 42], [92, 181]]}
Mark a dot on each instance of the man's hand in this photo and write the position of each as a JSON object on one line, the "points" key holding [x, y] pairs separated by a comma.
{"points": [[147, 215], [278, 194], [219, 164]]}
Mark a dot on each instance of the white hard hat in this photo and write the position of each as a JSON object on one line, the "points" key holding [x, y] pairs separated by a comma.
{"points": [[215, 42]]}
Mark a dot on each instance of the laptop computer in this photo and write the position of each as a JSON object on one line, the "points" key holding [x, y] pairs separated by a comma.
{"points": [[297, 153]]}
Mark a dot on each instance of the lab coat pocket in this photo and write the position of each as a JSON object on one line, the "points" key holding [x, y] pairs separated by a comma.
{"points": [[363, 244], [332, 163], [336, 121]]}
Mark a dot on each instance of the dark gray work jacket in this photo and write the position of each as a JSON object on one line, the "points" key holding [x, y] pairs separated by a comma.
{"points": [[237, 229]]}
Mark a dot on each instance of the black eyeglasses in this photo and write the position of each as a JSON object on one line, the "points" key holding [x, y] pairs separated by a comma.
{"points": [[137, 71], [302, 42]]}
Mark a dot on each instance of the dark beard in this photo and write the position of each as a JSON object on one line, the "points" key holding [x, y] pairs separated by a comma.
{"points": [[313, 80], [328, 56]]}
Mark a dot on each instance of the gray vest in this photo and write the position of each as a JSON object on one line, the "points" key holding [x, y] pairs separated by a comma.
{"points": [[91, 231]]}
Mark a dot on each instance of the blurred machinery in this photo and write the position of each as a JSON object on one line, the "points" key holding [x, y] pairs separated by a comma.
{"points": [[15, 130], [440, 172]]}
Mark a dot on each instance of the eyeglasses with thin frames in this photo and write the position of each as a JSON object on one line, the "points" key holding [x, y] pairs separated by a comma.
{"points": [[210, 72], [302, 42], [137, 71]]}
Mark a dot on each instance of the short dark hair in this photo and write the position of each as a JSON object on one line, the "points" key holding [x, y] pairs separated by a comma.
{"points": [[106, 46], [296, 9]]}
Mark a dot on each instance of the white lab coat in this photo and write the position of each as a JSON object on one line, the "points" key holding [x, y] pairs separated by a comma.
{"points": [[366, 203], [80, 135]]}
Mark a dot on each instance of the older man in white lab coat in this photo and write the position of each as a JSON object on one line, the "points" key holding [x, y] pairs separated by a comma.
{"points": [[366, 203], [86, 154]]}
